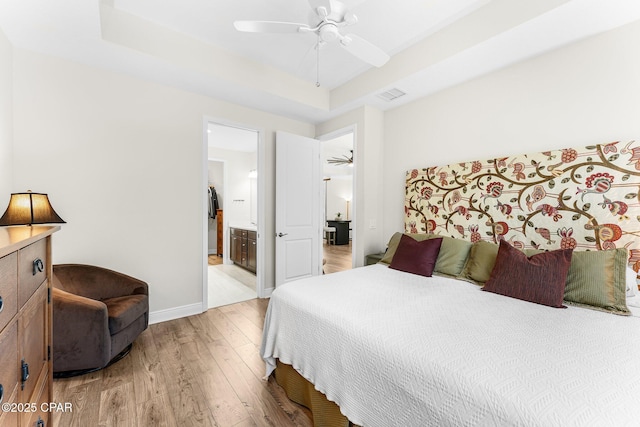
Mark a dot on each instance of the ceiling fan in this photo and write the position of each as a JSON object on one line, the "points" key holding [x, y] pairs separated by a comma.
{"points": [[326, 20], [344, 160]]}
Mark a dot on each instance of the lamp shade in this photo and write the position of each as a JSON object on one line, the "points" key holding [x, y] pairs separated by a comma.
{"points": [[29, 208]]}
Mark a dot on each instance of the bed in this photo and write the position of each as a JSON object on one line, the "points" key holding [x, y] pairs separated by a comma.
{"points": [[395, 347]]}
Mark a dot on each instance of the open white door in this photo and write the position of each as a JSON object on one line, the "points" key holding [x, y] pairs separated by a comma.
{"points": [[297, 207]]}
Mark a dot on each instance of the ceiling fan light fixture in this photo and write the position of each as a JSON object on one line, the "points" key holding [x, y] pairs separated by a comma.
{"points": [[329, 33]]}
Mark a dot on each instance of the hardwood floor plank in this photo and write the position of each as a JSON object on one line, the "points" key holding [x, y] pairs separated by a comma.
{"points": [[154, 412], [84, 399], [337, 257], [148, 379], [226, 327], [248, 328], [117, 408]]}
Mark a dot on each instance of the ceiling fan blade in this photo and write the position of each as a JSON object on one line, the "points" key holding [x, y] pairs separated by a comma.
{"points": [[360, 48], [270, 27], [326, 4]]}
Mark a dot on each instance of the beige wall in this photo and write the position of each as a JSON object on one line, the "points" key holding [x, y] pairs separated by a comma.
{"points": [[585, 93], [6, 121], [123, 162]]}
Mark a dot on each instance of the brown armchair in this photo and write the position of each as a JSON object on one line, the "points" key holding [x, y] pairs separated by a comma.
{"points": [[97, 314]]}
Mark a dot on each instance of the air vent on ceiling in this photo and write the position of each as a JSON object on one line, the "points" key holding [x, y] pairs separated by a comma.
{"points": [[391, 94]]}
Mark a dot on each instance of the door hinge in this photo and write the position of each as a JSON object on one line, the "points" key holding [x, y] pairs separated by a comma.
{"points": [[49, 295]]}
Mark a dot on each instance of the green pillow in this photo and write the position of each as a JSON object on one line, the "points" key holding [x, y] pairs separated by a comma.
{"points": [[597, 279], [482, 258], [453, 255]]}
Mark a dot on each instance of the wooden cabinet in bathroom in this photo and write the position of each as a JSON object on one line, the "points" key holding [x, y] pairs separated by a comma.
{"points": [[242, 248]]}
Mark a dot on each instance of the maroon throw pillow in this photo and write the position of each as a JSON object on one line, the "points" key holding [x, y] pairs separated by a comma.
{"points": [[540, 278], [416, 257]]}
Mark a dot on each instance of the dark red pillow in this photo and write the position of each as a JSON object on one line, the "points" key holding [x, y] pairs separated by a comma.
{"points": [[540, 278], [416, 257]]}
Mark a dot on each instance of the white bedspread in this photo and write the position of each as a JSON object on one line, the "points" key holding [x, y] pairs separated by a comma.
{"points": [[396, 349]]}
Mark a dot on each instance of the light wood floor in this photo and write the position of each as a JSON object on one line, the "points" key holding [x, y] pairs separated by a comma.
{"points": [[338, 257], [201, 370], [214, 260]]}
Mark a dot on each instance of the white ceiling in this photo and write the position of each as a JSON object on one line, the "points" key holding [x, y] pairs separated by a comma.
{"points": [[192, 45], [392, 26]]}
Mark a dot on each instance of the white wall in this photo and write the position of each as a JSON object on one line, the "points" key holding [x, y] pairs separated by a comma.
{"points": [[585, 93], [338, 189], [237, 204], [6, 121], [122, 160]]}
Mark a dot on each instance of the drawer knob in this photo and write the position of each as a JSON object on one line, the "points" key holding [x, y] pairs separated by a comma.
{"points": [[25, 372], [38, 266]]}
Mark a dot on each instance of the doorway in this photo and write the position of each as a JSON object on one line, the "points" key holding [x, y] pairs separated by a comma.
{"points": [[232, 154], [338, 170]]}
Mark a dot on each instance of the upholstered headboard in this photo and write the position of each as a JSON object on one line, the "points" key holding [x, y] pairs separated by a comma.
{"points": [[585, 198]]}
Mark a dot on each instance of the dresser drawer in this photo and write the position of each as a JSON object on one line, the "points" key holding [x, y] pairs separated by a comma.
{"points": [[238, 232], [9, 361], [30, 275], [8, 288], [32, 327]]}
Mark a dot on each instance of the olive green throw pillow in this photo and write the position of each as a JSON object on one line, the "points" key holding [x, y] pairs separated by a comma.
{"points": [[482, 259], [453, 255], [597, 279], [451, 259]]}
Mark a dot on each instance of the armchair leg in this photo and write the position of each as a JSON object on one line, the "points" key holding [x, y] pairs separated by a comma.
{"points": [[117, 357]]}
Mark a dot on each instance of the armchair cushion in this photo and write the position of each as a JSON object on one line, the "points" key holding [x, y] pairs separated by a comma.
{"points": [[124, 310], [81, 332]]}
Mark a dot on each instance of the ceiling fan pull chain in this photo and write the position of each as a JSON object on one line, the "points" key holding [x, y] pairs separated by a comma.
{"points": [[318, 62]]}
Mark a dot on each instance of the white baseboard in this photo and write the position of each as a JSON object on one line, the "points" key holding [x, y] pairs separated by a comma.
{"points": [[174, 313], [267, 292]]}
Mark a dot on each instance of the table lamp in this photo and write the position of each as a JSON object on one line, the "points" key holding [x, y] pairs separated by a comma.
{"points": [[28, 209]]}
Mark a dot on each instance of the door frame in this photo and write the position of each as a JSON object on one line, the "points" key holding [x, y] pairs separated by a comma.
{"points": [[261, 185], [352, 129]]}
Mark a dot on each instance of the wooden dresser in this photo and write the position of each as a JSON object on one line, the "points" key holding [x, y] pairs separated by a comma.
{"points": [[219, 232], [26, 382]]}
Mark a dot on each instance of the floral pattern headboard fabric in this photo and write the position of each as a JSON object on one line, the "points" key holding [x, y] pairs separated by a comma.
{"points": [[583, 198]]}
